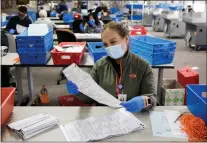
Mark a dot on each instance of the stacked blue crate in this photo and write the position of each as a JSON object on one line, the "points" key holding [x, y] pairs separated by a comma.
{"points": [[134, 7], [32, 15], [155, 50], [68, 18], [34, 49], [114, 10], [96, 50]]}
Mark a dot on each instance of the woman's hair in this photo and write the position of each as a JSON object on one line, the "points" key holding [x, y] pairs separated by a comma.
{"points": [[120, 28], [94, 15], [43, 13], [105, 9]]}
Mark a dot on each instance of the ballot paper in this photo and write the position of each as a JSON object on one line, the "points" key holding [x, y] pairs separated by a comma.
{"points": [[175, 126], [20, 28], [160, 125], [89, 87], [70, 48], [101, 127], [87, 35], [31, 126]]}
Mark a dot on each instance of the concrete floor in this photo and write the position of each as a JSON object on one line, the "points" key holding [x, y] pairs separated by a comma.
{"points": [[184, 57]]}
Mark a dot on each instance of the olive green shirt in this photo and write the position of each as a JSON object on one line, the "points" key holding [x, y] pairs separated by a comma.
{"points": [[136, 77]]}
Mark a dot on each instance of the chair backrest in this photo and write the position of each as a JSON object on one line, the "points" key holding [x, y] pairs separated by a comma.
{"points": [[65, 35], [76, 26]]}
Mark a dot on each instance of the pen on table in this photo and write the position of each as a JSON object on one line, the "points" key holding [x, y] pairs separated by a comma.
{"points": [[180, 116]]}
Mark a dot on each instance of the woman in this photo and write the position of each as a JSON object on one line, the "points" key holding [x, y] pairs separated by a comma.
{"points": [[93, 25], [105, 14], [44, 20], [121, 72]]}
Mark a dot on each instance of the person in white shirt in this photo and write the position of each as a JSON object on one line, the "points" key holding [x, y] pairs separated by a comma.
{"points": [[44, 20]]}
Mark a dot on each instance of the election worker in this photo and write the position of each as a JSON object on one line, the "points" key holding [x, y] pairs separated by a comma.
{"points": [[124, 75]]}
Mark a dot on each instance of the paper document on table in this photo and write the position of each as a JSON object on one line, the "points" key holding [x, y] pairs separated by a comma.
{"points": [[70, 48], [31, 126], [89, 87], [160, 125], [101, 127], [175, 126]]}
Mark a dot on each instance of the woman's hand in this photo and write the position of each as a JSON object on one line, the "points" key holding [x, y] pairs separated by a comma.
{"points": [[136, 104], [72, 88]]}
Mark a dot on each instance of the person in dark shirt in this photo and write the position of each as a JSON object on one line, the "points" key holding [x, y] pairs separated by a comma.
{"points": [[105, 13], [22, 19], [62, 7]]}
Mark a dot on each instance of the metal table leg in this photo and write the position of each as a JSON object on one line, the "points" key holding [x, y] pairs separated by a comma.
{"points": [[19, 85], [159, 86], [30, 85]]}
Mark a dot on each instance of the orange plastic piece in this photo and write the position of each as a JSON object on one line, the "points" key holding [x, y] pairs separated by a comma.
{"points": [[7, 103]]}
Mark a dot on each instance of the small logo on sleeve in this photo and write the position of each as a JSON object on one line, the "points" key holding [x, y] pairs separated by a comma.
{"points": [[132, 75]]}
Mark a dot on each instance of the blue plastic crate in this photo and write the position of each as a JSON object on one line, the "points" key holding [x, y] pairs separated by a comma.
{"points": [[44, 42], [33, 16], [152, 44], [135, 6], [114, 10], [53, 14], [37, 58], [196, 103], [68, 18], [154, 58], [135, 17], [96, 50]]}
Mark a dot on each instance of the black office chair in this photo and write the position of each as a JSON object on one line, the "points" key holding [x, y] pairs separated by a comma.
{"points": [[76, 26], [64, 35]]}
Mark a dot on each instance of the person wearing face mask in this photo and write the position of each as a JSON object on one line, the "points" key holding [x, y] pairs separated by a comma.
{"points": [[122, 74], [92, 26], [21, 19]]}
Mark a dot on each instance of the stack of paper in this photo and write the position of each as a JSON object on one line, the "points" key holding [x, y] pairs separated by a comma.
{"points": [[101, 127], [37, 29], [163, 124], [70, 48], [31, 126]]}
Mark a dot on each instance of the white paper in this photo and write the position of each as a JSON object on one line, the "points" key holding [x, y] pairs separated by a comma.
{"points": [[87, 35], [37, 29], [160, 125], [70, 48], [89, 87], [175, 127], [31, 126], [101, 127], [20, 28]]}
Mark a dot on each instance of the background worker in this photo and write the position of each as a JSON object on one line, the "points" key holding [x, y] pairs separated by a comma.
{"points": [[21, 19], [93, 25], [44, 20], [121, 73]]}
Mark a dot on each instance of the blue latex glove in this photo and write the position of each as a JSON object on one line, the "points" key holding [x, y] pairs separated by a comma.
{"points": [[11, 31], [136, 104], [81, 27], [72, 88], [92, 22]]}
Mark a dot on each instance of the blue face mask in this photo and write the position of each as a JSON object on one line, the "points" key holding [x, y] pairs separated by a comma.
{"points": [[116, 51], [91, 21]]}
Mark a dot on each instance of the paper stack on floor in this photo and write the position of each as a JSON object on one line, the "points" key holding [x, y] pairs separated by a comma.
{"points": [[101, 127], [31, 126]]}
